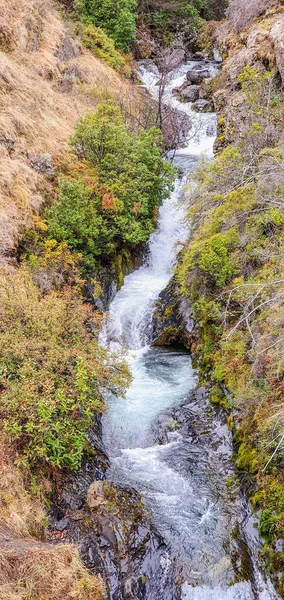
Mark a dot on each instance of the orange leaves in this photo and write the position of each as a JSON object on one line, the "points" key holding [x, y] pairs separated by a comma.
{"points": [[136, 208], [109, 201]]}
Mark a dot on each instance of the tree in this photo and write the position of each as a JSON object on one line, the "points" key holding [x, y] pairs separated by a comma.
{"points": [[115, 17]]}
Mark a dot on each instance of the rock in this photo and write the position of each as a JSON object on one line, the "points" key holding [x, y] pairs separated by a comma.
{"points": [[203, 106], [222, 573], [277, 37], [197, 75], [72, 75], [217, 56], [204, 92], [62, 524], [8, 143], [172, 323], [96, 495], [42, 164], [179, 89], [279, 546], [69, 49], [197, 56], [117, 540], [174, 60], [190, 93]]}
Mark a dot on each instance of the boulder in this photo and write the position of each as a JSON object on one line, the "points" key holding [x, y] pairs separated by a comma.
{"points": [[118, 541], [204, 92], [190, 93], [42, 164], [174, 60], [197, 56], [203, 106], [196, 75], [96, 495]]}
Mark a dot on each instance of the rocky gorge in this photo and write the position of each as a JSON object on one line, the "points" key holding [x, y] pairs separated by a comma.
{"points": [[191, 441], [141, 302]]}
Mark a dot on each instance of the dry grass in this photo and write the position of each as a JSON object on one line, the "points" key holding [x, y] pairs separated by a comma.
{"points": [[41, 97], [31, 569], [19, 514], [47, 574]]}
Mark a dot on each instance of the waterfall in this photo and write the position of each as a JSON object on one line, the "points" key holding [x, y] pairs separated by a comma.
{"points": [[180, 481]]}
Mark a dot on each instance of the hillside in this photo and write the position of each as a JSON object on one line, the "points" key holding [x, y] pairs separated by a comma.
{"points": [[85, 168], [48, 80]]}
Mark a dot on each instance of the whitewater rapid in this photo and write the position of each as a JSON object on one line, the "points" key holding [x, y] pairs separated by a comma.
{"points": [[182, 501]]}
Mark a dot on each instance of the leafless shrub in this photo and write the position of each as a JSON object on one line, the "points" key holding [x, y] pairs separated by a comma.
{"points": [[242, 12]]}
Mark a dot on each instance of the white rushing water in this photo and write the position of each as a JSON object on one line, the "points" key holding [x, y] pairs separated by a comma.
{"points": [[174, 479]]}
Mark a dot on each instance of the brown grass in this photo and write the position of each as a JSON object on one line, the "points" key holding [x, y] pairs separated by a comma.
{"points": [[47, 574], [41, 98], [31, 569]]}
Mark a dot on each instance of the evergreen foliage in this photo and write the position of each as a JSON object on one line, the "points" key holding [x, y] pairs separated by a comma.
{"points": [[184, 18], [115, 17], [96, 40], [121, 180]]}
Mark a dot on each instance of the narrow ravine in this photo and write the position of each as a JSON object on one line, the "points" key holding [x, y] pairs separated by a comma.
{"points": [[183, 481]]}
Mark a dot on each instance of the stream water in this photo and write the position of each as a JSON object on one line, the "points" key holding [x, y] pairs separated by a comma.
{"points": [[183, 481]]}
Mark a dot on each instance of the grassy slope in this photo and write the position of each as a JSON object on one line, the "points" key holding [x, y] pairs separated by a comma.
{"points": [[41, 99]]}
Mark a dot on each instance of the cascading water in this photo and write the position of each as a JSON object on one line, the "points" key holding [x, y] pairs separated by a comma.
{"points": [[183, 482]]}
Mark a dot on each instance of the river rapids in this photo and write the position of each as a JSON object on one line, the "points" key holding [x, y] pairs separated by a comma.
{"points": [[183, 482]]}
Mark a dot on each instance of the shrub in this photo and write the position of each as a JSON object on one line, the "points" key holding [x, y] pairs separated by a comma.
{"points": [[96, 40], [112, 205], [116, 18], [51, 371]]}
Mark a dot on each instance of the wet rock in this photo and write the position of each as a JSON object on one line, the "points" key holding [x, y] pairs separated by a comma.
{"points": [[197, 56], [190, 93], [203, 106], [222, 573], [118, 541], [194, 77], [197, 75], [174, 60], [172, 322], [113, 531], [62, 524]]}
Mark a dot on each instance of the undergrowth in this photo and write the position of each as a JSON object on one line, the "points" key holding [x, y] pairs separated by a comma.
{"points": [[232, 272]]}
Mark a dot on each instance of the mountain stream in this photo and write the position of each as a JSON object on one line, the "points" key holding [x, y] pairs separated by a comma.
{"points": [[183, 481]]}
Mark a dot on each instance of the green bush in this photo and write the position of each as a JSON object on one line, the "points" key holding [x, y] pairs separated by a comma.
{"points": [[96, 40], [115, 207], [183, 17], [52, 370], [116, 18]]}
